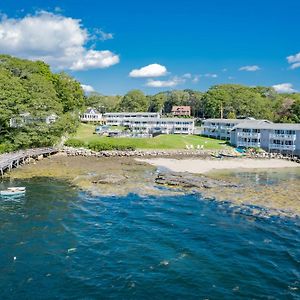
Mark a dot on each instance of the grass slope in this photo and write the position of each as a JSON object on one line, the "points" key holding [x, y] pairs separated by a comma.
{"points": [[172, 141]]}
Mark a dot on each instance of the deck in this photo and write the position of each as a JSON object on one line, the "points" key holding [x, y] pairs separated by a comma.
{"points": [[12, 160]]}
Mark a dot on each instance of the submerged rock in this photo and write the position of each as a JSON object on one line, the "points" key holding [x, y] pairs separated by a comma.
{"points": [[109, 179], [187, 180]]}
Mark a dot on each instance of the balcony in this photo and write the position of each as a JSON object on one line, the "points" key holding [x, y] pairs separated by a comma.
{"points": [[248, 144], [211, 126], [291, 137], [249, 134], [282, 147]]}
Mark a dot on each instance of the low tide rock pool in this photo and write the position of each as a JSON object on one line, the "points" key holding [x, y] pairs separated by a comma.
{"points": [[62, 243]]}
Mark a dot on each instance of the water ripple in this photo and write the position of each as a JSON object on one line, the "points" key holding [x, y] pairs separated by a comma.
{"points": [[60, 243]]}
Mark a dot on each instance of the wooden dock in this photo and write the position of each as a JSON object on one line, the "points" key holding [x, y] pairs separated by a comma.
{"points": [[12, 160]]}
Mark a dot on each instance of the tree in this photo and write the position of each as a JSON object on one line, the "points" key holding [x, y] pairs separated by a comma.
{"points": [[69, 91], [103, 103], [157, 102], [243, 101], [134, 101]]}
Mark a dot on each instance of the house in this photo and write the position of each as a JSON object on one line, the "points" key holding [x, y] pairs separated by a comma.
{"points": [[123, 118], [181, 111], [162, 125], [27, 119], [91, 115], [221, 128]]}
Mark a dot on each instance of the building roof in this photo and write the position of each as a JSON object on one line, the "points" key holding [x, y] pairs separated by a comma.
{"points": [[181, 108], [131, 113], [274, 126], [92, 111], [236, 121], [163, 119]]}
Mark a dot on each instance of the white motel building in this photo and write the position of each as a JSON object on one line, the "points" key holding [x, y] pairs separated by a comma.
{"points": [[150, 123], [123, 118], [272, 137]]}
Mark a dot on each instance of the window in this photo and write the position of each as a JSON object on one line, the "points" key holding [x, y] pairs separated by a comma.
{"points": [[290, 132]]}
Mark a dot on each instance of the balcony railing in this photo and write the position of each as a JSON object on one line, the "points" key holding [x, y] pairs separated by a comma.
{"points": [[249, 134], [282, 147], [211, 126], [248, 144], [283, 136]]}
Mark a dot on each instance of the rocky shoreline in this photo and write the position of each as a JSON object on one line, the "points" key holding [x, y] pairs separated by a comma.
{"points": [[121, 175], [224, 153]]}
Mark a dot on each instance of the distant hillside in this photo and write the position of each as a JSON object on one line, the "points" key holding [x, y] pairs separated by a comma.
{"points": [[31, 88]]}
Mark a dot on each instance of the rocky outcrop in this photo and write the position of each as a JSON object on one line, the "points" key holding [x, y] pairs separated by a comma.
{"points": [[187, 180], [109, 179]]}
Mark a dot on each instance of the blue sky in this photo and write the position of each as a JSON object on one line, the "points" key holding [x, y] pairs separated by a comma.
{"points": [[188, 44]]}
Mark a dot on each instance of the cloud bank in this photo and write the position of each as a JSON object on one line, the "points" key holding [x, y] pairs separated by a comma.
{"points": [[284, 88], [165, 83], [58, 40]]}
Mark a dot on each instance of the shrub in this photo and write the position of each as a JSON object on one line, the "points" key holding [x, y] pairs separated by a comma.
{"points": [[6, 147], [100, 146], [75, 143]]}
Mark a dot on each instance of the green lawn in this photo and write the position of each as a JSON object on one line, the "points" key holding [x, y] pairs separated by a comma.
{"points": [[171, 141]]}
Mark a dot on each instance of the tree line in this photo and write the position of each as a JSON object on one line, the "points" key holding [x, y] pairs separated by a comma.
{"points": [[226, 100], [30, 87]]}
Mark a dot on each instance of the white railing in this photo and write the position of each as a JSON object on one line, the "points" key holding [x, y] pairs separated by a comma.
{"points": [[248, 144], [249, 134], [283, 136], [211, 126], [282, 147]]}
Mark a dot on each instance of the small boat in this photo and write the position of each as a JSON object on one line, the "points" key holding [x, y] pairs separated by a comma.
{"points": [[13, 191], [17, 188]]}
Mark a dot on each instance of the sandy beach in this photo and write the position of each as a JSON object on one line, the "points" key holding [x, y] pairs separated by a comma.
{"points": [[201, 166]]}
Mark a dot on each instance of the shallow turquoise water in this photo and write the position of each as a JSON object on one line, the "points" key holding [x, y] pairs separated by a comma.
{"points": [[60, 243]]}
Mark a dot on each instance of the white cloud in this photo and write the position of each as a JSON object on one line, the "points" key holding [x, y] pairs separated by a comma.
{"points": [[87, 88], [196, 78], [56, 39], [104, 35], [187, 75], [284, 88], [153, 70], [294, 60], [165, 83], [209, 75], [250, 68]]}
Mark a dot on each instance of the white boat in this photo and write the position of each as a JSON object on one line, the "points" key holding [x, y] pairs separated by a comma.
{"points": [[13, 192], [17, 188]]}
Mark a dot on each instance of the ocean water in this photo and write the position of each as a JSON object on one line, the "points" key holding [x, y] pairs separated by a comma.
{"points": [[61, 243]]}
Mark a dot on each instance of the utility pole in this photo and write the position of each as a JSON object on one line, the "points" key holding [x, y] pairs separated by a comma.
{"points": [[221, 110]]}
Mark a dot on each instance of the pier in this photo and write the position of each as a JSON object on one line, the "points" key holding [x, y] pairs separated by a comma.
{"points": [[12, 160]]}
